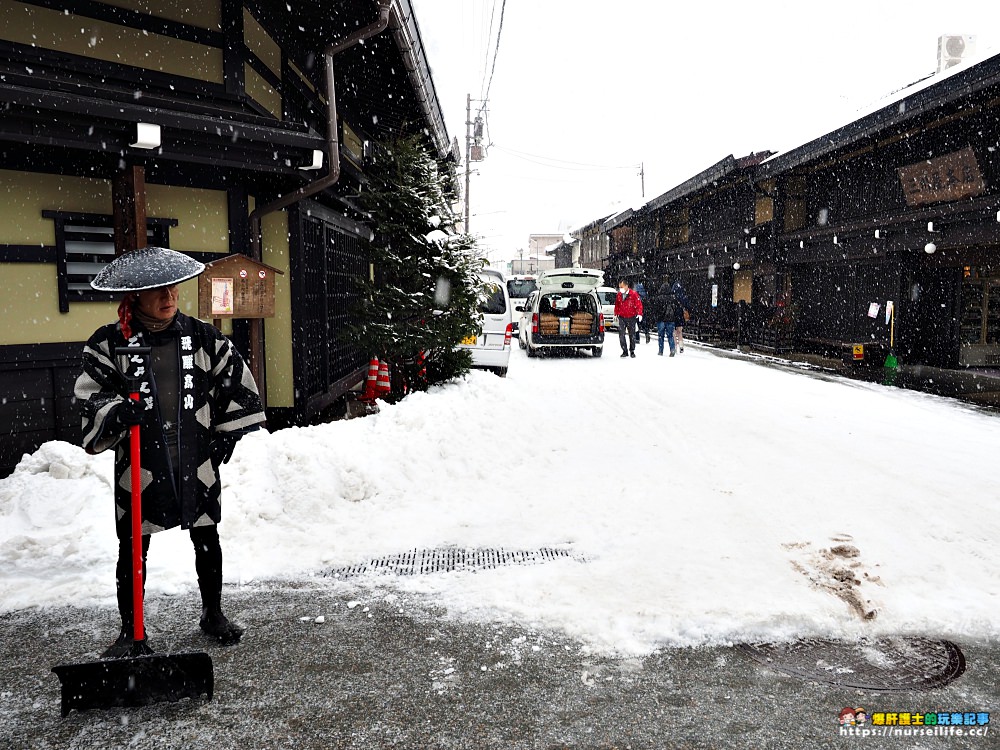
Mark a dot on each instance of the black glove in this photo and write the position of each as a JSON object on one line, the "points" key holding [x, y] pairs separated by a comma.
{"points": [[223, 445], [129, 413]]}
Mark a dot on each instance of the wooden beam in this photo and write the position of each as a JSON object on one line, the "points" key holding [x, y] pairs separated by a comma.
{"points": [[128, 195], [234, 47]]}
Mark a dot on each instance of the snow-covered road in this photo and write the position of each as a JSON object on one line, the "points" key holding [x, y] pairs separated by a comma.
{"points": [[713, 500]]}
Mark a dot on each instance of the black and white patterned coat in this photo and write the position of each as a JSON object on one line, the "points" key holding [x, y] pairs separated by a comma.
{"points": [[216, 396]]}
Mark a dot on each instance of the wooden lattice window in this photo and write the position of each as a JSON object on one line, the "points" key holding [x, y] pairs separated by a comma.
{"points": [[84, 245]]}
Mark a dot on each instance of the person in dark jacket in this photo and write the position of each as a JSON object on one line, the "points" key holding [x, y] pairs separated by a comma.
{"points": [[197, 398], [662, 307], [682, 311], [628, 310], [643, 326]]}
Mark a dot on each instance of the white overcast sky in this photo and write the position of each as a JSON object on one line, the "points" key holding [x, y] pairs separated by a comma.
{"points": [[583, 93]]}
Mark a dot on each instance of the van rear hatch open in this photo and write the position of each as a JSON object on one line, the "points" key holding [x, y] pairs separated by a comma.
{"points": [[580, 279], [567, 316]]}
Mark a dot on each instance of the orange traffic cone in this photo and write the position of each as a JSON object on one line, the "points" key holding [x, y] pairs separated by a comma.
{"points": [[371, 382], [382, 385]]}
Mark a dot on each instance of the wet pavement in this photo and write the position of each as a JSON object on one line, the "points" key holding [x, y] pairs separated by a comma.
{"points": [[384, 670]]}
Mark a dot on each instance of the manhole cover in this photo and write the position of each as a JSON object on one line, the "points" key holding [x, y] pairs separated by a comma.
{"points": [[450, 559], [869, 664]]}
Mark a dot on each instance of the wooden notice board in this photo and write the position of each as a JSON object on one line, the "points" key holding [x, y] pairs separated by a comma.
{"points": [[236, 287]]}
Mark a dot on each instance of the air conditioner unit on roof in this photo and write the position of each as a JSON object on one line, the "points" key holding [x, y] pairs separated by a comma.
{"points": [[953, 48]]}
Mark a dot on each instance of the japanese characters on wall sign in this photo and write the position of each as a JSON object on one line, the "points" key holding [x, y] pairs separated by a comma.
{"points": [[237, 287], [946, 178]]}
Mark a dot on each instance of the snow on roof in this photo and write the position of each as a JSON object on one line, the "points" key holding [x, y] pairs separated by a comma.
{"points": [[896, 97]]}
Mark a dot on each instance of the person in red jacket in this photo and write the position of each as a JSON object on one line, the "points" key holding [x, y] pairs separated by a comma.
{"points": [[628, 310]]}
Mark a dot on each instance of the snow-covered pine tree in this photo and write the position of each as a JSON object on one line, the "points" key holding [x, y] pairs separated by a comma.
{"points": [[426, 294]]}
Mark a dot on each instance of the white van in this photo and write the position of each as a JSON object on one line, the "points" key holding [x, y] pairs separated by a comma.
{"points": [[606, 294], [564, 313], [491, 348], [518, 288]]}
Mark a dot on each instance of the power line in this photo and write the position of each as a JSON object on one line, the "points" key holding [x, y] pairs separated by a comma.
{"points": [[576, 166], [486, 50], [496, 50]]}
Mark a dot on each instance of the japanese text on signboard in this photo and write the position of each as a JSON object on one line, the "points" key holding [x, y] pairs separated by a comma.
{"points": [[947, 178]]}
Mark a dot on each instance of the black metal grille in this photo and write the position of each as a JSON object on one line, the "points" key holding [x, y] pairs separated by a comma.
{"points": [[894, 664], [312, 329], [327, 266], [450, 560], [345, 264]]}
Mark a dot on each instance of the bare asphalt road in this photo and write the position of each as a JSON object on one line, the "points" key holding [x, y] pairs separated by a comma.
{"points": [[387, 671]]}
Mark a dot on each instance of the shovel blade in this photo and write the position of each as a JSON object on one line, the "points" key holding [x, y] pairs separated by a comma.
{"points": [[135, 681]]}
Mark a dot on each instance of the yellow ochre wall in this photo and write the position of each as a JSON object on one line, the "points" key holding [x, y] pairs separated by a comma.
{"points": [[260, 91], [29, 301], [278, 330], [261, 44], [78, 35], [204, 13]]}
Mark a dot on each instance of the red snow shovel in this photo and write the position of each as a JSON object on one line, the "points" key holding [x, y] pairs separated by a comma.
{"points": [[142, 677]]}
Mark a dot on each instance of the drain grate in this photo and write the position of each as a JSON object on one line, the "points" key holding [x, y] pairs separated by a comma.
{"points": [[892, 664], [451, 559]]}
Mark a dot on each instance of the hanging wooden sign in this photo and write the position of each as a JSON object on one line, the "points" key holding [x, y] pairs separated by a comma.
{"points": [[946, 178], [236, 287]]}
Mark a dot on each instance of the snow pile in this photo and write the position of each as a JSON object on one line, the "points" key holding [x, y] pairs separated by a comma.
{"points": [[713, 500]]}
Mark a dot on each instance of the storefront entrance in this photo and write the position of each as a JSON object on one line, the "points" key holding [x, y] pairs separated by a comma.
{"points": [[980, 317]]}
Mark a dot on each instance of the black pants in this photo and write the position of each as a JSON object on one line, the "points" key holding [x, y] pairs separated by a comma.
{"points": [[207, 564], [641, 327], [626, 334]]}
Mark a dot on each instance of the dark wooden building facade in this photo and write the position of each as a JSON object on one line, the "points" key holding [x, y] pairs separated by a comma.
{"points": [[804, 250], [217, 127]]}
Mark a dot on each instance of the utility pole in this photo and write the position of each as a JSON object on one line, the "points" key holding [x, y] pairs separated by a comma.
{"points": [[474, 150], [642, 178], [468, 154]]}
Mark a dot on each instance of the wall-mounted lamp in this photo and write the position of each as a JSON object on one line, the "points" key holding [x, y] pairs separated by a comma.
{"points": [[146, 135], [736, 266], [930, 227], [879, 234], [930, 248], [317, 161]]}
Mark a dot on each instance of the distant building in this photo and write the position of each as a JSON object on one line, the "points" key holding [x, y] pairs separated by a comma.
{"points": [[539, 243], [534, 259], [594, 245]]}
